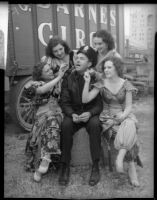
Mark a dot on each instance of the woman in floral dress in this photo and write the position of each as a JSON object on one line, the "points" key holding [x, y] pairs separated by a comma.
{"points": [[43, 144], [117, 113]]}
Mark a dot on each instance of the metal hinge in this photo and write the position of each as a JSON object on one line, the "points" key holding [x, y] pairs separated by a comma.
{"points": [[14, 72]]}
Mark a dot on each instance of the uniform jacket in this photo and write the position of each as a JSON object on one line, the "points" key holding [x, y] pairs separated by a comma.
{"points": [[71, 97]]}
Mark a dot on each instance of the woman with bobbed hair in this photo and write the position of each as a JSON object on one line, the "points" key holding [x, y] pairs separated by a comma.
{"points": [[105, 46], [58, 52], [117, 116], [118, 64], [106, 37], [53, 42], [43, 143]]}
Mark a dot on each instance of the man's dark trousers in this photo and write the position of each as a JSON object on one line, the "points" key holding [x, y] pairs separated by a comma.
{"points": [[69, 128]]}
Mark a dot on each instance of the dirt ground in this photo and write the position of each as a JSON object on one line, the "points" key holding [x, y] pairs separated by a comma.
{"points": [[18, 183]]}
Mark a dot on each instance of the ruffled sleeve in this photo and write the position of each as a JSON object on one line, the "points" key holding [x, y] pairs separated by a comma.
{"points": [[99, 84], [30, 91], [130, 87], [36, 84], [53, 62]]}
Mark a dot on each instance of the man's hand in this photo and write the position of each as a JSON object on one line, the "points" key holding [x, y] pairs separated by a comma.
{"points": [[84, 117], [110, 122], [75, 118]]}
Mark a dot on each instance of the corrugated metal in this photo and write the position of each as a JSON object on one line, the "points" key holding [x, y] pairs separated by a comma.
{"points": [[35, 33], [72, 27], [54, 19], [117, 28], [120, 27], [98, 16], [108, 19], [86, 18]]}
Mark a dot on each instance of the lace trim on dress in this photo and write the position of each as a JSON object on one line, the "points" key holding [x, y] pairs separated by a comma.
{"points": [[130, 87], [99, 84], [127, 85]]}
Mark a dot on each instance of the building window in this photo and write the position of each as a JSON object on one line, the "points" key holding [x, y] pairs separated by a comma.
{"points": [[150, 20]]}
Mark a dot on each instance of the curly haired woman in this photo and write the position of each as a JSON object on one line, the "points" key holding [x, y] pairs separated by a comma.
{"points": [[58, 52], [43, 144], [117, 115]]}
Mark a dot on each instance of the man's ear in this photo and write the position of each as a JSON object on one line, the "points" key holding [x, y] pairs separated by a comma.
{"points": [[89, 64]]}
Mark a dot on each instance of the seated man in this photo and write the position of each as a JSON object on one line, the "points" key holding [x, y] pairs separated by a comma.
{"points": [[78, 115]]}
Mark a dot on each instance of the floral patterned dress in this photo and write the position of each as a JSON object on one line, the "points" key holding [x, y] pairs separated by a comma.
{"points": [[44, 137], [125, 132]]}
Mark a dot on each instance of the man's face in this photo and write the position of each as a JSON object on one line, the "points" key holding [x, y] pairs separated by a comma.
{"points": [[82, 63]]}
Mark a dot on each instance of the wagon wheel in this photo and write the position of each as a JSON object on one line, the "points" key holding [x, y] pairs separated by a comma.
{"points": [[21, 105]]}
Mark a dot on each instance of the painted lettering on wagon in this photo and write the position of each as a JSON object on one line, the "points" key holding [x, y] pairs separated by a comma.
{"points": [[78, 12]]}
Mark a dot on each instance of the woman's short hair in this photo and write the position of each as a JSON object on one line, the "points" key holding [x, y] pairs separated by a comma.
{"points": [[106, 37], [117, 62], [53, 42], [37, 71]]}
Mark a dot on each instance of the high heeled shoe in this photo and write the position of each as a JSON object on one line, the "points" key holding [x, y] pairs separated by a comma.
{"points": [[43, 168], [37, 176]]}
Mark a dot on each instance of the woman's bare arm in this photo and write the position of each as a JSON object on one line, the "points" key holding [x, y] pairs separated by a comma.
{"points": [[87, 95]]}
